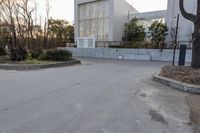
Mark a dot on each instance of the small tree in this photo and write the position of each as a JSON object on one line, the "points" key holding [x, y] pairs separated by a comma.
{"points": [[134, 31], [157, 32]]}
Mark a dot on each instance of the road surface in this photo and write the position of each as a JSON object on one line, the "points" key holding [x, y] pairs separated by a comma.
{"points": [[99, 96]]}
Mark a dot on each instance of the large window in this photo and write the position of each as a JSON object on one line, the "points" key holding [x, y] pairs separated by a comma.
{"points": [[94, 20]]}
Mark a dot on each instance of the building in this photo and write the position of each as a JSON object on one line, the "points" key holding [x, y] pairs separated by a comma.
{"points": [[147, 18], [185, 29], [101, 22]]}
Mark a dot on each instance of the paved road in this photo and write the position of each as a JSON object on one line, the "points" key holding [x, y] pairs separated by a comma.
{"points": [[99, 96]]}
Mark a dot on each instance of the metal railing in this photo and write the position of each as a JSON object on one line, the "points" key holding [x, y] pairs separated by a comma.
{"points": [[134, 44]]}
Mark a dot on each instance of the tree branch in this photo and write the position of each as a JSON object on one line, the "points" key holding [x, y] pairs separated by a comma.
{"points": [[185, 14]]}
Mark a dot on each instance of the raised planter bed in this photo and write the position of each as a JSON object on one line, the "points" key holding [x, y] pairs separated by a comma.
{"points": [[193, 89], [25, 67]]}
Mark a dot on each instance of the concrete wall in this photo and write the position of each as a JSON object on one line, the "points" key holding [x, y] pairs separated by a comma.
{"points": [[185, 26], [128, 54]]}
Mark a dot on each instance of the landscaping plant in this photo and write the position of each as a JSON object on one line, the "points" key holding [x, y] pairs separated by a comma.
{"points": [[134, 31], [56, 55], [18, 54], [2, 51], [158, 31]]}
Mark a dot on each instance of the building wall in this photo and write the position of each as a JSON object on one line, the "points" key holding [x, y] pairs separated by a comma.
{"points": [[147, 18], [185, 26], [120, 17], [92, 19], [120, 12], [113, 27]]}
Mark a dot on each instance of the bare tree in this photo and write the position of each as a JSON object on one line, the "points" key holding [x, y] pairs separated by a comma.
{"points": [[27, 14], [1, 2], [7, 14], [196, 43], [46, 26]]}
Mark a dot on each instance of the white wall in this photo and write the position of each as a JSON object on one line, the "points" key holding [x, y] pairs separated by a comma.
{"points": [[121, 16], [76, 21], [185, 26], [149, 15], [118, 16]]}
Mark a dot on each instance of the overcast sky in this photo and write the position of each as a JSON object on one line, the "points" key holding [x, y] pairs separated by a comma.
{"points": [[64, 9]]}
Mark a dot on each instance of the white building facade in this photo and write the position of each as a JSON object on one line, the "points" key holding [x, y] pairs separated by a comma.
{"points": [[102, 21], [186, 28]]}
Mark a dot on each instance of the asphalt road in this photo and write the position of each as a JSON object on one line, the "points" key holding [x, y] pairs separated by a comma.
{"points": [[99, 96]]}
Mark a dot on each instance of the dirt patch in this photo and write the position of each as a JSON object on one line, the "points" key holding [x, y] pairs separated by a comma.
{"points": [[193, 101], [155, 116], [182, 74]]}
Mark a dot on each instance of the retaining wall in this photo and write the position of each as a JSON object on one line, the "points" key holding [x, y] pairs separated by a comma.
{"points": [[129, 54]]}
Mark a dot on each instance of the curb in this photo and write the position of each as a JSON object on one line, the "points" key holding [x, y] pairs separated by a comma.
{"points": [[27, 67], [193, 89]]}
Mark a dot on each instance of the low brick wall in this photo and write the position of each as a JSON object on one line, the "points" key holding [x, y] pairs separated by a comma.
{"points": [[129, 54], [25, 67]]}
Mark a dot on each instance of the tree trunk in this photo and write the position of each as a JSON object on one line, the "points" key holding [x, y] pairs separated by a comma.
{"points": [[196, 53], [196, 43]]}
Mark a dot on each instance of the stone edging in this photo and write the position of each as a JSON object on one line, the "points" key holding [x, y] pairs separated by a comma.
{"points": [[193, 89], [26, 67]]}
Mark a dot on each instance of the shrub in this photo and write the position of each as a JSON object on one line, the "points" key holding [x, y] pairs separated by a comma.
{"points": [[4, 58], [157, 32], [36, 53], [2, 51], [134, 31], [33, 61], [18, 54], [57, 55]]}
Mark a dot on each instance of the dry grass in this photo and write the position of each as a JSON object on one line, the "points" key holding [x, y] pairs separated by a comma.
{"points": [[182, 74]]}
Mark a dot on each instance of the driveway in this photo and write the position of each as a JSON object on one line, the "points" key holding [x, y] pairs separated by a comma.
{"points": [[99, 96]]}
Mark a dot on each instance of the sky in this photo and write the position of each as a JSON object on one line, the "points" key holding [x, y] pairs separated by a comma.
{"points": [[64, 9]]}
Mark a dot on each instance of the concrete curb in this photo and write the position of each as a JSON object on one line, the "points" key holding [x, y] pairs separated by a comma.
{"points": [[26, 67], [193, 89]]}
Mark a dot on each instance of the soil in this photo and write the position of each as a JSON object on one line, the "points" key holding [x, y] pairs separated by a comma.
{"points": [[190, 76], [193, 102], [183, 74]]}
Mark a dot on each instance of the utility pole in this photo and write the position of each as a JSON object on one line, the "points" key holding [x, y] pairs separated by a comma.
{"points": [[175, 41]]}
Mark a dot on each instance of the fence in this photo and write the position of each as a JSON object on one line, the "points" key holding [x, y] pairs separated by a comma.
{"points": [[135, 44]]}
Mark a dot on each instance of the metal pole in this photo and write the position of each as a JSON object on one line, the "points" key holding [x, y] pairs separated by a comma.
{"points": [[175, 41]]}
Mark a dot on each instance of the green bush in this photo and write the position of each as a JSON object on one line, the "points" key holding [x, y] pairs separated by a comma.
{"points": [[158, 32], [56, 55], [18, 54], [2, 51], [36, 53], [4, 58], [33, 61], [134, 31]]}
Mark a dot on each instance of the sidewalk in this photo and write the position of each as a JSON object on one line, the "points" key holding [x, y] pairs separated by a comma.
{"points": [[194, 103]]}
